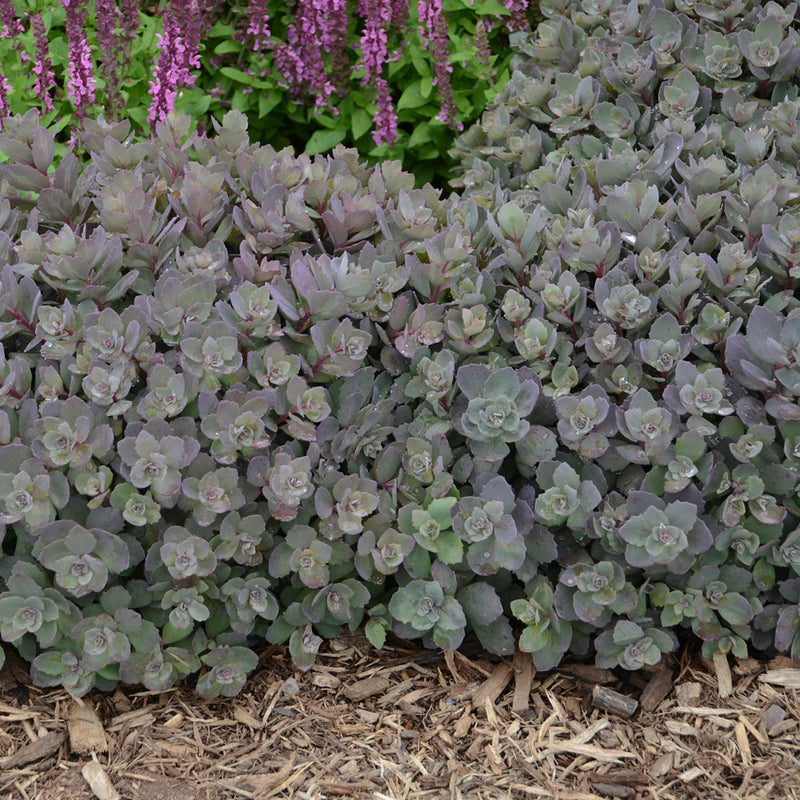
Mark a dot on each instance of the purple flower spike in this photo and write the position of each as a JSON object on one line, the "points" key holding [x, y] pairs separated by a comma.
{"points": [[433, 32], [178, 45], [80, 75], [45, 78]]}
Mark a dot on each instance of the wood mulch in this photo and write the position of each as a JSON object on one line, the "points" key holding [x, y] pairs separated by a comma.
{"points": [[402, 723]]}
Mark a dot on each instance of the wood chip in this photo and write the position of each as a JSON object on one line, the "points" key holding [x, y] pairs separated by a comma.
{"points": [[491, 714], [705, 711], [131, 719], [688, 693], [523, 678], [496, 763], [754, 732], [591, 732], [627, 777], [10, 714], [43, 747], [493, 686], [463, 724], [241, 714], [367, 687], [680, 728], [175, 721], [787, 726], [661, 766], [723, 670], [588, 750], [746, 666], [588, 673], [370, 717], [692, 774], [740, 732], [99, 782], [419, 737], [772, 716], [789, 678], [324, 680], [612, 789], [616, 703], [450, 660], [657, 689], [86, 734], [720, 722]]}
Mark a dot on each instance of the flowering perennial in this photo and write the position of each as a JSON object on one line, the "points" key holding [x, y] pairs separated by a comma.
{"points": [[117, 24], [80, 76], [378, 16], [518, 20], [11, 26], [179, 55], [385, 119], [42, 67], [4, 87], [257, 18], [433, 32]]}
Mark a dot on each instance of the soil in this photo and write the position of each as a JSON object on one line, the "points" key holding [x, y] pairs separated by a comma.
{"points": [[405, 723]]}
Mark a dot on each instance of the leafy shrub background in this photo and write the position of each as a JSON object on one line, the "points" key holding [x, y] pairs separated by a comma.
{"points": [[249, 395], [234, 74]]}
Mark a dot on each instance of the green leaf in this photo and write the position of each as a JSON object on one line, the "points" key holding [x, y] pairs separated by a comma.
{"points": [[483, 9], [412, 96], [240, 102], [242, 77], [497, 638], [439, 509], [421, 135], [221, 30], [360, 123], [194, 103], [735, 609], [480, 603], [375, 632], [449, 547], [266, 102], [426, 85], [322, 141], [428, 151], [228, 46], [461, 55], [419, 59]]}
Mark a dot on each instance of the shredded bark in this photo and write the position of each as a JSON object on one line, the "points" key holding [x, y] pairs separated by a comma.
{"points": [[404, 723]]}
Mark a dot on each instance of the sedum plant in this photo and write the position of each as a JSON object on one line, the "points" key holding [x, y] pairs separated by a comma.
{"points": [[249, 396]]}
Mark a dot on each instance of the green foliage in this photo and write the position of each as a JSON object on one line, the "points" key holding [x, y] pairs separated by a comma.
{"points": [[235, 74]]}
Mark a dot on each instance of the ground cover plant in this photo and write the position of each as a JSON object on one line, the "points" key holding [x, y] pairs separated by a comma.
{"points": [[249, 395], [395, 80]]}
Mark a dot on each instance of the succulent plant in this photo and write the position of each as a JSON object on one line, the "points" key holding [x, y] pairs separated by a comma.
{"points": [[546, 636], [250, 395], [81, 559], [229, 667], [633, 646], [421, 607], [497, 404], [663, 534]]}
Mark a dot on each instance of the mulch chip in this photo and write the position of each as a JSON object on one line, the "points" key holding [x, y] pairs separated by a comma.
{"points": [[404, 723]]}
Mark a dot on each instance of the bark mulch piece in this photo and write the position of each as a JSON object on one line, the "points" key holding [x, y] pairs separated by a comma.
{"points": [[403, 723]]}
